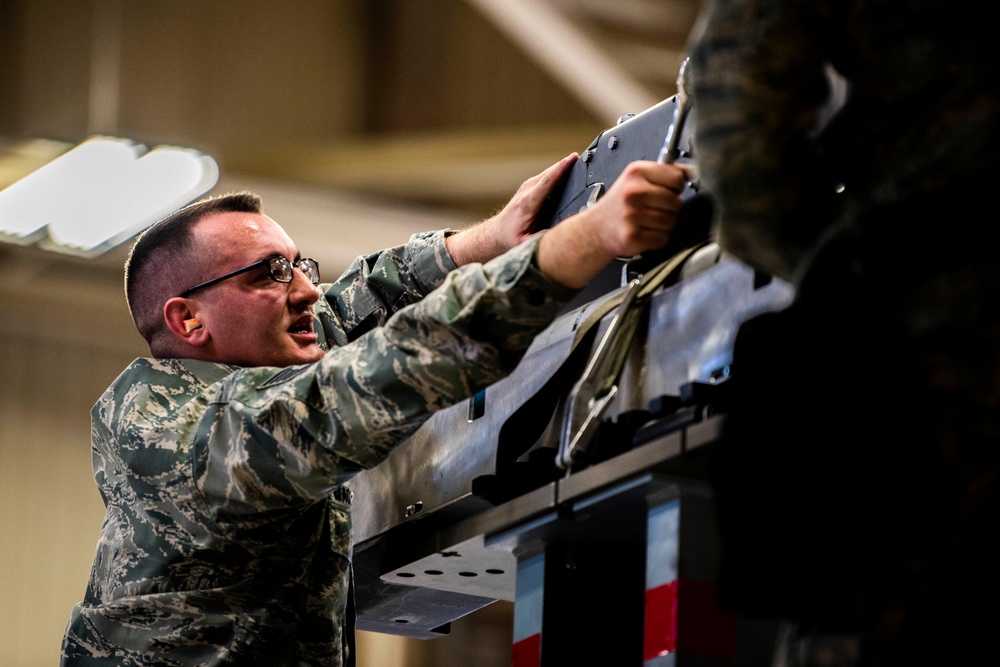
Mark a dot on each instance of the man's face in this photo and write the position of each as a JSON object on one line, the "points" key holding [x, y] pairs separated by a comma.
{"points": [[251, 319]]}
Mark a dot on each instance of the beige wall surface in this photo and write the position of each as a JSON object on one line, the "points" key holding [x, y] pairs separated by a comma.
{"points": [[50, 509]]}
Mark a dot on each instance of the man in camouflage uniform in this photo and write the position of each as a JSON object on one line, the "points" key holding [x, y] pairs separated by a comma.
{"points": [[221, 459], [856, 485]]}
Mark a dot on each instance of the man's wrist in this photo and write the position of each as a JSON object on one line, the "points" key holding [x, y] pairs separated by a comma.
{"points": [[569, 253], [474, 244]]}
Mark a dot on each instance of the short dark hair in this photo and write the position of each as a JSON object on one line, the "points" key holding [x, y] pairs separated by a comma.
{"points": [[163, 255]]}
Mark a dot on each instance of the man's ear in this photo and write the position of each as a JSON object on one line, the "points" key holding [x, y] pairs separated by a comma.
{"points": [[183, 322]]}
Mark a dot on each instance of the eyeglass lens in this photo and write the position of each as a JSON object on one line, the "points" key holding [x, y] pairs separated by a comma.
{"points": [[281, 269]]}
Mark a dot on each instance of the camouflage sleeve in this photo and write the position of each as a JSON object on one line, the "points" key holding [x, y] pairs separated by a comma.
{"points": [[294, 434], [759, 84], [376, 286]]}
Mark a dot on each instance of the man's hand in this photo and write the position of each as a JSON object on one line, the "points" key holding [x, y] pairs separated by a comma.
{"points": [[514, 224], [636, 214]]}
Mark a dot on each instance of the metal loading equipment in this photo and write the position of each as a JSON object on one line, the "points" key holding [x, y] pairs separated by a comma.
{"points": [[576, 487], [475, 507]]}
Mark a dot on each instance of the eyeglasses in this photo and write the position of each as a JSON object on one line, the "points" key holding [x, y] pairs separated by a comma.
{"points": [[279, 268]]}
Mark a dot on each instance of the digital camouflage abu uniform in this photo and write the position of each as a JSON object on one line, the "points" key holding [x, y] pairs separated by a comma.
{"points": [[223, 543], [856, 484]]}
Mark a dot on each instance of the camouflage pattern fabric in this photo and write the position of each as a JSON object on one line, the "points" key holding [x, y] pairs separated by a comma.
{"points": [[856, 480], [222, 543], [919, 118], [376, 286]]}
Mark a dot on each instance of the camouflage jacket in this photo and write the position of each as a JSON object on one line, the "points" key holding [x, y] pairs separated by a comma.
{"points": [[862, 505], [915, 87], [223, 543]]}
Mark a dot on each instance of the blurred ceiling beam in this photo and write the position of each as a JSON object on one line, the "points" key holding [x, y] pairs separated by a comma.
{"points": [[558, 45]]}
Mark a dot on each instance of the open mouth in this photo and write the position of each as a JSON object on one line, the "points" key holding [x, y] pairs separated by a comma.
{"points": [[304, 325]]}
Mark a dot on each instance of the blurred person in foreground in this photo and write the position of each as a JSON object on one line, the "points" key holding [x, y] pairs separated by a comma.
{"points": [[222, 459], [856, 483]]}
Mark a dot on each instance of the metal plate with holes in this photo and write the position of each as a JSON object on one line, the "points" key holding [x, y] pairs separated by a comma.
{"points": [[468, 567]]}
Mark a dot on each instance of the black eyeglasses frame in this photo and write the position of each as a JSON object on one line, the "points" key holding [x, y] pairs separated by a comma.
{"points": [[297, 264]]}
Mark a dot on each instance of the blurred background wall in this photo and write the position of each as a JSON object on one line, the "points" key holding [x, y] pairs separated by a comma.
{"points": [[358, 121]]}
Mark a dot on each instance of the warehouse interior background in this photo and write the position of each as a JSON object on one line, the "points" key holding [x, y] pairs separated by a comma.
{"points": [[358, 121]]}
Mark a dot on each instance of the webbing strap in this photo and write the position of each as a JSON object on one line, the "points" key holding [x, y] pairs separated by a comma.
{"points": [[593, 392]]}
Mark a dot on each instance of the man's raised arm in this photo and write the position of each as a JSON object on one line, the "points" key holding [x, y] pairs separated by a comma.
{"points": [[514, 224], [637, 214]]}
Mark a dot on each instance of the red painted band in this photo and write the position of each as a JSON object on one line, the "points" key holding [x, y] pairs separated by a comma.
{"points": [[660, 636], [527, 652], [702, 627]]}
